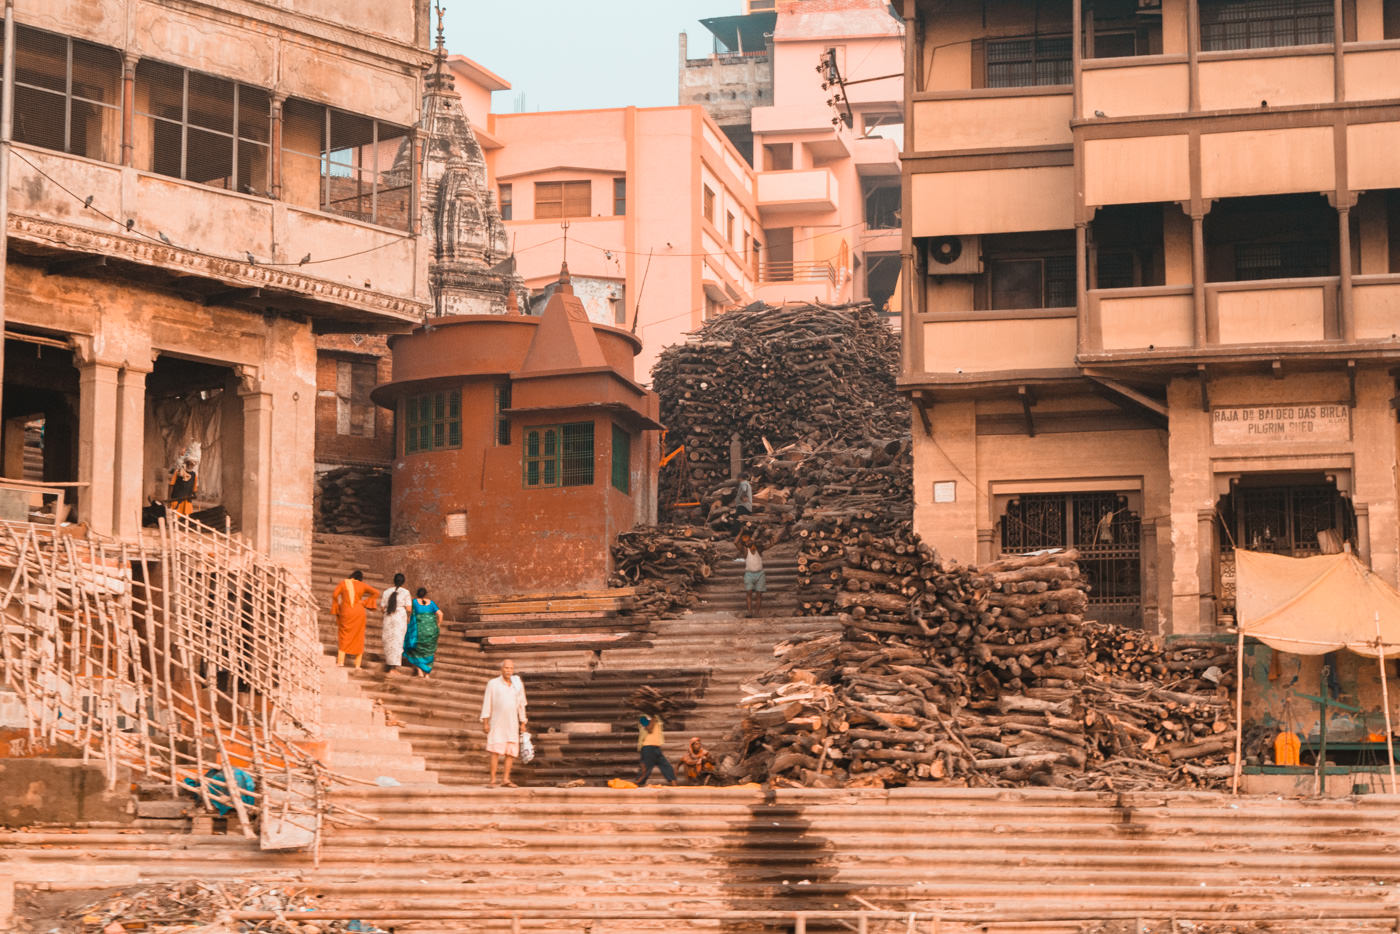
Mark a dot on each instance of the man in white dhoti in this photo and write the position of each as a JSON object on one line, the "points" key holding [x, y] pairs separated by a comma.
{"points": [[502, 718]]}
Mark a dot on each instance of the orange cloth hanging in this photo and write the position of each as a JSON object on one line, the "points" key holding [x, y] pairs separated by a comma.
{"points": [[1287, 746]]}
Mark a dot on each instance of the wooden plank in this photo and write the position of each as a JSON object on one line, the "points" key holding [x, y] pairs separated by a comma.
{"points": [[560, 595], [546, 606]]}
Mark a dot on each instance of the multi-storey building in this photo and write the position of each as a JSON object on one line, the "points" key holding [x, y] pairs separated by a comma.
{"points": [[812, 90], [198, 190], [1153, 286], [654, 207]]}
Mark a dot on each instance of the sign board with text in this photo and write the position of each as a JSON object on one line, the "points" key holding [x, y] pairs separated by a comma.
{"points": [[1263, 424]]}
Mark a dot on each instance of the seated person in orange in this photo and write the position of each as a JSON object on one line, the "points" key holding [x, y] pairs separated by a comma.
{"points": [[184, 484], [697, 768]]}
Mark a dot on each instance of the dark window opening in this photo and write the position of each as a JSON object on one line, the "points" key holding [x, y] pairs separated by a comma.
{"points": [[882, 206], [881, 276], [506, 203], [1031, 61], [502, 419], [619, 197], [1227, 25], [1273, 237], [621, 460], [67, 95], [1291, 518], [1105, 531], [1127, 247]]}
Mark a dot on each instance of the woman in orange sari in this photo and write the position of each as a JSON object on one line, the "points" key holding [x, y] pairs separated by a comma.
{"points": [[351, 598]]}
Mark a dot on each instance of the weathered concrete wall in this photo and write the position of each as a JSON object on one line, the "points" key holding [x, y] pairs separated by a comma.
{"points": [[120, 328], [58, 791]]}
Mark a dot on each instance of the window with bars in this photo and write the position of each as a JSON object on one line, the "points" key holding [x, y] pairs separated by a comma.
{"points": [[1101, 526], [433, 422], [1285, 520], [1263, 24], [563, 199], [345, 164], [507, 202], [558, 455], [1255, 261], [67, 95], [1116, 269], [621, 459], [1029, 61], [619, 196], [201, 128], [1031, 282], [502, 419]]}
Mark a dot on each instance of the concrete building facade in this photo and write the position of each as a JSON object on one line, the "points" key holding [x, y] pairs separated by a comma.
{"points": [[195, 195], [659, 207], [1152, 273], [821, 121]]}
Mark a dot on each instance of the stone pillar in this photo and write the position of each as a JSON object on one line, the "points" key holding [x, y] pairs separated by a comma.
{"points": [[1363, 532], [256, 521], [130, 446], [1147, 554], [986, 546], [1205, 567], [97, 447]]}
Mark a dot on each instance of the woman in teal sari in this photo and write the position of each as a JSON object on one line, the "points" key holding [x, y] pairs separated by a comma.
{"points": [[420, 642]]}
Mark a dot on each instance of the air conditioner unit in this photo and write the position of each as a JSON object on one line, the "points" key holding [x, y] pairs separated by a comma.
{"points": [[954, 256]]}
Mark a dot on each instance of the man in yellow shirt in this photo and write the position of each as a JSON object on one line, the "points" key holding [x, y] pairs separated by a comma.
{"points": [[649, 740]]}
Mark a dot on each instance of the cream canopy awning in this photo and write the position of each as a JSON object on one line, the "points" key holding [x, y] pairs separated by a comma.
{"points": [[1309, 606]]}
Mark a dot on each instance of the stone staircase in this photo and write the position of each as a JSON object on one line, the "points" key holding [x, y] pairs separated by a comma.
{"points": [[1001, 860], [703, 657]]}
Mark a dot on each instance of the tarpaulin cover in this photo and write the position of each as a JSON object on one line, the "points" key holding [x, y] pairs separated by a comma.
{"points": [[1309, 606]]}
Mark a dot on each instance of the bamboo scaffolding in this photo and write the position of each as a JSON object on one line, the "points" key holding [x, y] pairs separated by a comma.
{"points": [[187, 658]]}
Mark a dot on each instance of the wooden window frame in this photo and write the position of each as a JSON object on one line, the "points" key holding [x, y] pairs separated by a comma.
{"points": [[619, 197], [551, 462], [505, 200], [707, 203], [563, 199], [432, 422]]}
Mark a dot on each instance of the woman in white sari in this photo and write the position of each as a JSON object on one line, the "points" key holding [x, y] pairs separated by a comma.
{"points": [[394, 624]]}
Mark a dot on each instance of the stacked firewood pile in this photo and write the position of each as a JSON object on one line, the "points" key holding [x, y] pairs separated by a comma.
{"points": [[982, 676], [809, 393], [664, 564], [353, 501]]}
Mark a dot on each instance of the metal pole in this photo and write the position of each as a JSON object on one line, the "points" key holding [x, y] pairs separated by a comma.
{"points": [[1385, 702], [7, 122]]}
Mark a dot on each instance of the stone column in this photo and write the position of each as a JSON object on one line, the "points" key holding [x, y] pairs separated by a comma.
{"points": [[1363, 532], [97, 448], [256, 521], [130, 445], [1205, 557], [986, 546]]}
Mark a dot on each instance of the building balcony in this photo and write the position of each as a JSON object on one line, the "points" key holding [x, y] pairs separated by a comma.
{"points": [[1276, 317], [797, 190], [232, 243], [981, 346], [1296, 76], [992, 118], [875, 156]]}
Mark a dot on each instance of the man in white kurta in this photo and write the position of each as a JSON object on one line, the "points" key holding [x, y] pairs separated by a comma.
{"points": [[502, 718]]}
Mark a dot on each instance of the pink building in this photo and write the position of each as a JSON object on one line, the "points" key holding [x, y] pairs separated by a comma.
{"points": [[826, 134], [662, 227]]}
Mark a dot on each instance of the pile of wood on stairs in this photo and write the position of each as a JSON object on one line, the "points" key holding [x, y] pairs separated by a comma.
{"points": [[991, 676], [809, 392], [353, 501], [663, 564]]}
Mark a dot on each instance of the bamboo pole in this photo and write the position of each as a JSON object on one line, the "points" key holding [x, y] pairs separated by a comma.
{"points": [[1239, 714], [1385, 702]]}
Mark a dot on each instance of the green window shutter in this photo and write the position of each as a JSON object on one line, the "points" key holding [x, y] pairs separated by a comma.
{"points": [[621, 459]]}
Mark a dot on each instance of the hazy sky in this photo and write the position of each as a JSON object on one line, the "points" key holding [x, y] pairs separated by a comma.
{"points": [[577, 54]]}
